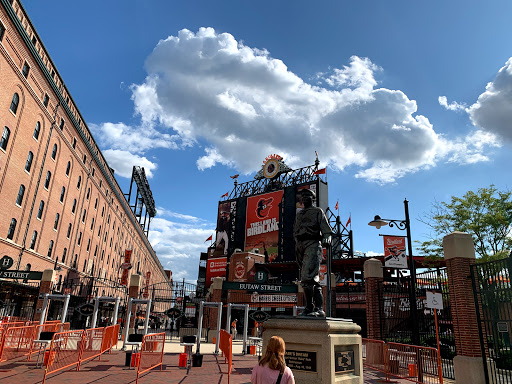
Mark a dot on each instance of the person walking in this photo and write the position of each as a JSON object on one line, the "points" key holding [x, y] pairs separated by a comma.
{"points": [[272, 368], [233, 328]]}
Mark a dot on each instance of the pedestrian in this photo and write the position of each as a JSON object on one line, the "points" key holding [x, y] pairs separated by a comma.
{"points": [[233, 328], [272, 368]]}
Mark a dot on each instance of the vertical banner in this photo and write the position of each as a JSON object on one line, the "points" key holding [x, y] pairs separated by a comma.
{"points": [[146, 289], [215, 268], [262, 224], [394, 252], [127, 258], [222, 235]]}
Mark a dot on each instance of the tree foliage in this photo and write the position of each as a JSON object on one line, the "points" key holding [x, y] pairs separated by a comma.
{"points": [[485, 214]]}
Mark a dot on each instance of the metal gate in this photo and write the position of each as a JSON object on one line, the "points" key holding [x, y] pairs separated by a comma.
{"points": [[493, 300], [174, 308], [18, 299]]}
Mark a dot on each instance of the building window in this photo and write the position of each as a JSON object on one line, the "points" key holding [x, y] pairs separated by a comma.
{"points": [[34, 40], [102, 211], [93, 172], [64, 253], [68, 168], [50, 249], [85, 158], [56, 223], [5, 138], [12, 228], [92, 223], [88, 245], [69, 231], [83, 216], [99, 231], [73, 208], [21, 192], [25, 70], [95, 251], [54, 151], [62, 193], [74, 142], [61, 126], [14, 103], [79, 182], [79, 238], [40, 211], [2, 31], [96, 203], [88, 193], [37, 129], [74, 262], [28, 164], [46, 100], [100, 183], [33, 241], [47, 181]]}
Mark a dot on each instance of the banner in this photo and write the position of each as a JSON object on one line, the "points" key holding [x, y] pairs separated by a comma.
{"points": [[223, 229], [394, 252], [215, 268], [146, 288], [262, 224], [127, 258]]}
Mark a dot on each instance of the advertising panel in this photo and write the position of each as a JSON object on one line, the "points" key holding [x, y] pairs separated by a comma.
{"points": [[394, 252], [215, 268], [127, 258], [298, 198], [262, 224], [223, 229]]}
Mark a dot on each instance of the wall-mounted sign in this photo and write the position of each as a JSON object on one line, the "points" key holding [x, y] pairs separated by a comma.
{"points": [[127, 258], [126, 266], [260, 276], [394, 252], [215, 268], [257, 287], [301, 360], [259, 316], [344, 361], [434, 300], [6, 262], [257, 298], [146, 288], [86, 309], [174, 313], [25, 275]]}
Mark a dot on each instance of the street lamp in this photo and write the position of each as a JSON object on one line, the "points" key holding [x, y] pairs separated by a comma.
{"points": [[378, 222]]}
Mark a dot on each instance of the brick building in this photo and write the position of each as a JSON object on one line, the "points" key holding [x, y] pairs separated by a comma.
{"points": [[61, 206]]}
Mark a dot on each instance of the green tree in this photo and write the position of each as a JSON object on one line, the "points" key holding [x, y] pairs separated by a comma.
{"points": [[485, 214]]}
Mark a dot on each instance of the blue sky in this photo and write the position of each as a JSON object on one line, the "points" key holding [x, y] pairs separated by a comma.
{"points": [[402, 99]]}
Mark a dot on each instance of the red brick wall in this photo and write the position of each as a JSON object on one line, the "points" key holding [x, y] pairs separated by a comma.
{"points": [[373, 307]]}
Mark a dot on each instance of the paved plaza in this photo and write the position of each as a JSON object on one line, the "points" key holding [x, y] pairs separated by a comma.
{"points": [[111, 369]]}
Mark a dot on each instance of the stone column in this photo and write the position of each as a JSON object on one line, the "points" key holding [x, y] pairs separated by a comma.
{"points": [[215, 297], [459, 253], [373, 276], [133, 292], [46, 286]]}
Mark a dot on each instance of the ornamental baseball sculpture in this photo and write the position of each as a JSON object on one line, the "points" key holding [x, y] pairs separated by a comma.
{"points": [[311, 230]]}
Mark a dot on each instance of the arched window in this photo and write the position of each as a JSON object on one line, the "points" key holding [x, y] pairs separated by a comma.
{"points": [[62, 193], [73, 208], [79, 238], [48, 178], [88, 193], [50, 248], [28, 164], [5, 138], [68, 168], [64, 253], [96, 203], [15, 102], [69, 231], [21, 192], [37, 129], [12, 228], [56, 223], [79, 182], [83, 216], [34, 239], [54, 151], [92, 223], [40, 211], [88, 245]]}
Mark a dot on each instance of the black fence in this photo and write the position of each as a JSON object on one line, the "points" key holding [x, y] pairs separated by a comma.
{"points": [[493, 298], [18, 299]]}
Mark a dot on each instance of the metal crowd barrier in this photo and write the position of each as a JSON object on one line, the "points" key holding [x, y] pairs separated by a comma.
{"points": [[226, 347], [92, 343], [151, 353], [409, 362], [17, 342], [64, 352]]}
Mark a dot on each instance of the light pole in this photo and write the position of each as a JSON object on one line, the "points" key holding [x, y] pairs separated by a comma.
{"points": [[405, 224]]}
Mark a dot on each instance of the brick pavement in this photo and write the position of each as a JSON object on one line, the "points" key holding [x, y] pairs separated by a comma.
{"points": [[111, 370]]}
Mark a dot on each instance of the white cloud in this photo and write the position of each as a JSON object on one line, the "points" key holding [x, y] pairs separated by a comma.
{"points": [[493, 109], [207, 87], [443, 101], [123, 161]]}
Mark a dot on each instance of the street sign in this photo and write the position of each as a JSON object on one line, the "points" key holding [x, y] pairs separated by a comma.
{"points": [[259, 316], [126, 266], [85, 309], [25, 275], [174, 313], [261, 277], [6, 262], [434, 300]]}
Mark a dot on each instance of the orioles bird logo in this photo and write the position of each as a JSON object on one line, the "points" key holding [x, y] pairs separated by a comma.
{"points": [[263, 208]]}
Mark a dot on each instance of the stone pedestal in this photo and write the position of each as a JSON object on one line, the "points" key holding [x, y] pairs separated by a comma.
{"points": [[319, 350]]}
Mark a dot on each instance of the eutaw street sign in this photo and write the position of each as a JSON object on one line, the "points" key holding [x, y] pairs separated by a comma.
{"points": [[25, 275]]}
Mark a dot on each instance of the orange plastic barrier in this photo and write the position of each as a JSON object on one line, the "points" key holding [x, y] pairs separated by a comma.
{"points": [[64, 351], [115, 336], [17, 342], [374, 354], [414, 363], [151, 353], [226, 347], [91, 345], [106, 344]]}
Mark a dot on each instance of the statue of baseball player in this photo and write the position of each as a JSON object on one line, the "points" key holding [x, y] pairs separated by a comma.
{"points": [[311, 230]]}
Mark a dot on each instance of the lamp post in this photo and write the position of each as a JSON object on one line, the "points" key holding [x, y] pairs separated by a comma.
{"points": [[405, 224]]}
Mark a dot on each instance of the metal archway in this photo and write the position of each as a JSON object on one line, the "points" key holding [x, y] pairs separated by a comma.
{"points": [[131, 302], [97, 307], [46, 297]]}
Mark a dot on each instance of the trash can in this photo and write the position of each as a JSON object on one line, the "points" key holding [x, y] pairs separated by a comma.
{"points": [[197, 360], [248, 350], [128, 359], [183, 360]]}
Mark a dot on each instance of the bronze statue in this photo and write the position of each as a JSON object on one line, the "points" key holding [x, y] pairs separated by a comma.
{"points": [[311, 230]]}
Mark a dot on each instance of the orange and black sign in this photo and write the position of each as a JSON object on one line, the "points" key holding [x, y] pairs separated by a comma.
{"points": [[127, 258]]}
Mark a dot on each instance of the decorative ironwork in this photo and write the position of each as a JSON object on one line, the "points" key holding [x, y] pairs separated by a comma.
{"points": [[400, 224], [341, 242], [143, 198]]}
